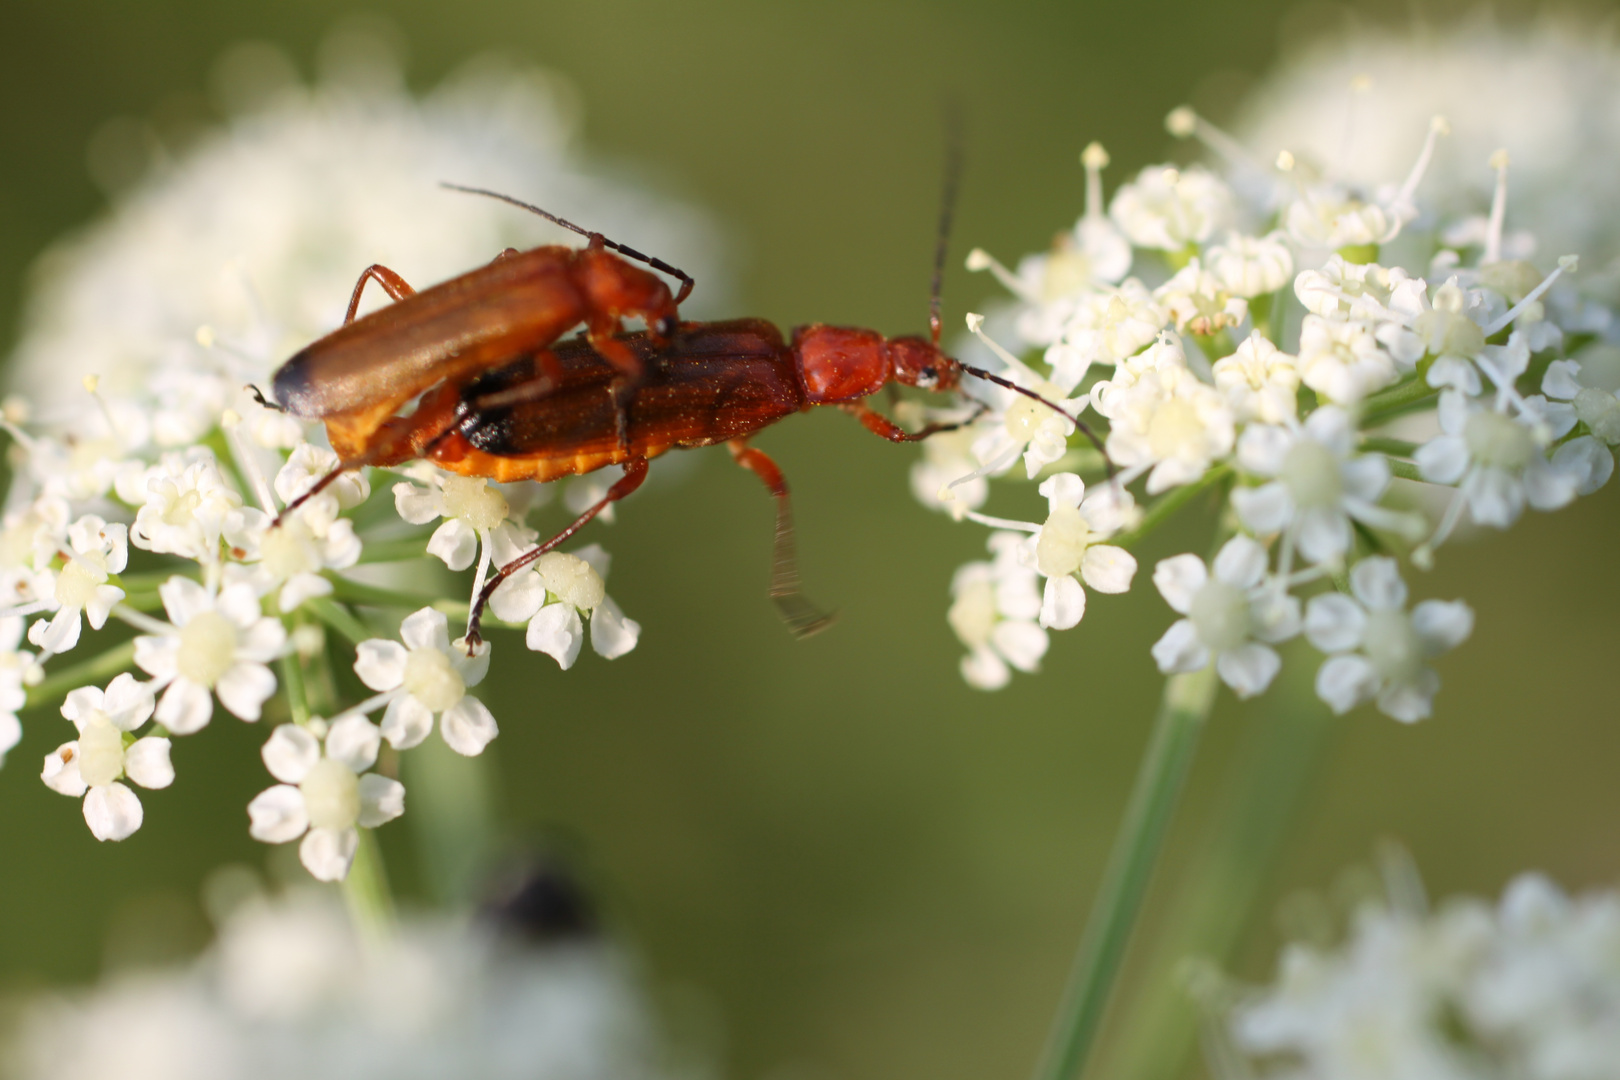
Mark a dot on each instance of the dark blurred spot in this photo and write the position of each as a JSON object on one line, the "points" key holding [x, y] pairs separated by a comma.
{"points": [[542, 903]]}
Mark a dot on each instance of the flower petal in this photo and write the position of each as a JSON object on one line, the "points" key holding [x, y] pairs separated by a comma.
{"points": [[183, 599], [416, 505], [518, 597], [381, 800], [112, 811], [982, 669], [1248, 669], [1334, 622], [290, 752], [1264, 509], [327, 853], [456, 542], [61, 771], [380, 663], [1377, 583], [1413, 701], [244, 688], [1107, 568], [1178, 579], [1021, 643], [353, 741], [425, 629], [1241, 562], [1179, 650], [1345, 682], [1442, 624], [557, 631], [147, 762], [186, 707], [1324, 534], [612, 635], [1063, 604], [277, 815], [468, 726], [1443, 459], [406, 722]]}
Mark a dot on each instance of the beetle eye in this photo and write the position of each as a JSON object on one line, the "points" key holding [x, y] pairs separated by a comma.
{"points": [[665, 326]]}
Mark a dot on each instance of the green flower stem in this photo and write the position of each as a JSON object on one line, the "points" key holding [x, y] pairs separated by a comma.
{"points": [[1211, 905], [1399, 399], [1167, 505], [1405, 470], [452, 818], [381, 551], [370, 903], [91, 672], [358, 592], [339, 618], [1394, 447], [1182, 712], [292, 680]]}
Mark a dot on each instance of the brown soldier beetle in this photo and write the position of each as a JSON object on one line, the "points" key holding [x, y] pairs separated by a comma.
{"points": [[498, 396]]}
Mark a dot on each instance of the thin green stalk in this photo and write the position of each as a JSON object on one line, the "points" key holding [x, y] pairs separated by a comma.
{"points": [[1168, 504], [91, 672], [1404, 470], [381, 551], [1211, 903], [1398, 399], [292, 680], [1182, 712], [338, 618], [358, 592], [452, 818], [370, 903], [1395, 447]]}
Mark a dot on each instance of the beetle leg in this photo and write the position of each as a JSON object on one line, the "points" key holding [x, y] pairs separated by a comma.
{"points": [[635, 471], [395, 286], [802, 617], [878, 424], [625, 384]]}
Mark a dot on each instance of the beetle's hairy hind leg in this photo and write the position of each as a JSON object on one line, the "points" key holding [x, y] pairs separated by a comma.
{"points": [[802, 617]]}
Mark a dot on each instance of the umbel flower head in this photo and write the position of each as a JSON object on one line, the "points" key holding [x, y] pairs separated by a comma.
{"points": [[151, 489]]}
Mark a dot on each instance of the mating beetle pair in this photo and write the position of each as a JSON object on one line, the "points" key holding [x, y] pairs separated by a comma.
{"points": [[499, 396]]}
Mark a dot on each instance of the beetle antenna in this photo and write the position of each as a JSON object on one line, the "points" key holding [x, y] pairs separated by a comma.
{"points": [[947, 213], [686, 280], [258, 395], [980, 373]]}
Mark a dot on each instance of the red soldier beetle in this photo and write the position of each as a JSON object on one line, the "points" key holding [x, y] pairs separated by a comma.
{"points": [[548, 410]]}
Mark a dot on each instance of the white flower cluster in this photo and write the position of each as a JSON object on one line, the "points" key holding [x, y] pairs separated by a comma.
{"points": [[1528, 988], [1247, 338], [148, 498], [290, 989]]}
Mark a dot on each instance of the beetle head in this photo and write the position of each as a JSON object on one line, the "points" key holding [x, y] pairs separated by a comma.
{"points": [[614, 288], [918, 362]]}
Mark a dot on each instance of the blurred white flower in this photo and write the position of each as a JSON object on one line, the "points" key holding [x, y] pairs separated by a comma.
{"points": [[994, 607], [1541, 90], [1318, 487], [323, 795], [291, 988], [470, 506], [15, 666], [1169, 209], [1233, 616], [1378, 651], [1260, 381], [1529, 988]]}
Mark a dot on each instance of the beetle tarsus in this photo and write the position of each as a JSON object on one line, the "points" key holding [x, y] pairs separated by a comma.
{"points": [[258, 395]]}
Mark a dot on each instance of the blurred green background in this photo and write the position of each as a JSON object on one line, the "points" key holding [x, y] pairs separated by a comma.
{"points": [[834, 859]]}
